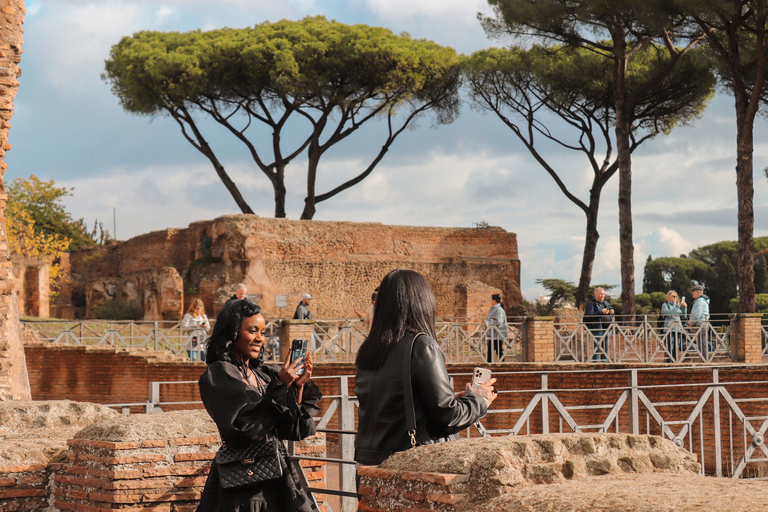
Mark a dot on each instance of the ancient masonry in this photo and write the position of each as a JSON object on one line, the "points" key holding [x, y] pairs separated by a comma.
{"points": [[339, 263], [14, 384]]}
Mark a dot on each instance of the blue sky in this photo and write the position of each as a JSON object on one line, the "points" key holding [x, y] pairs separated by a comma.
{"points": [[69, 127]]}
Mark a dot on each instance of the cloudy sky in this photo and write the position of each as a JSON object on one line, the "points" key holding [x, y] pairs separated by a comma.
{"points": [[70, 128]]}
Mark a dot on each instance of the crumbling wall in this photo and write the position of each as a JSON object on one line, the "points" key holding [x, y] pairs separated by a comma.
{"points": [[569, 472], [14, 384], [79, 456], [338, 263]]}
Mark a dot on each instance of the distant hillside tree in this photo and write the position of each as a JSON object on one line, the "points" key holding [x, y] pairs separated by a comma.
{"points": [[321, 80], [713, 266]]}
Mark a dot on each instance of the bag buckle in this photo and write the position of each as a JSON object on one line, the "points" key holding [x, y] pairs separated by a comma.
{"points": [[246, 461], [412, 433]]}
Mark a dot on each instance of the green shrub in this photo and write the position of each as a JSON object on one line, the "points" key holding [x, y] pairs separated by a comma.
{"points": [[118, 308]]}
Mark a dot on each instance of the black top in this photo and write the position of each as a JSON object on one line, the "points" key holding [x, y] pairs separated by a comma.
{"points": [[243, 416], [381, 412]]}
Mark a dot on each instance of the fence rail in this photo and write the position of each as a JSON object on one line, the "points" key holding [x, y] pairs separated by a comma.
{"points": [[333, 340], [644, 341]]}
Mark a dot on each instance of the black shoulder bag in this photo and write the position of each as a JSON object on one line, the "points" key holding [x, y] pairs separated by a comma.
{"points": [[256, 463]]}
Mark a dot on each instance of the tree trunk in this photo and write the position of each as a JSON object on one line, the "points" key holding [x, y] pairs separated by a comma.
{"points": [[590, 246], [231, 187], [278, 185], [746, 217], [623, 154], [309, 202]]}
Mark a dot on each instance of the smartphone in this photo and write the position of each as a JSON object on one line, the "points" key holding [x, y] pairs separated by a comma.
{"points": [[480, 375], [299, 351], [683, 300]]}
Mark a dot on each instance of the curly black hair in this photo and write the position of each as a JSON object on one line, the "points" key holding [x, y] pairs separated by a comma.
{"points": [[219, 346]]}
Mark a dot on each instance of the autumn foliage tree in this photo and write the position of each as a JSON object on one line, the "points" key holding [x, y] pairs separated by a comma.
{"points": [[39, 227]]}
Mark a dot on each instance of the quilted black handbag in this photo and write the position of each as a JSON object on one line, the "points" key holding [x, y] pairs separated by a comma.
{"points": [[256, 463]]}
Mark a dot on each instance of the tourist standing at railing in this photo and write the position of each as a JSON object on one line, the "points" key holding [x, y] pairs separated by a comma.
{"points": [[699, 318], [253, 404], [195, 324], [496, 333], [303, 313], [672, 311], [402, 340], [598, 316]]}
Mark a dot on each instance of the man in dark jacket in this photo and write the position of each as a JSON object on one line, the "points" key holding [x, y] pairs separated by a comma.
{"points": [[598, 316]]}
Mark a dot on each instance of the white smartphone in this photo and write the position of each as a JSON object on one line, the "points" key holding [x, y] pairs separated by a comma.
{"points": [[480, 375]]}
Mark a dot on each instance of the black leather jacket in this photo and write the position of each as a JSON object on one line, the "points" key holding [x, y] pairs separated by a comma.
{"points": [[381, 412]]}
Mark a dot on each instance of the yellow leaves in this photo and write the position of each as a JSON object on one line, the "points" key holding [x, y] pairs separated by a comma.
{"points": [[25, 242]]}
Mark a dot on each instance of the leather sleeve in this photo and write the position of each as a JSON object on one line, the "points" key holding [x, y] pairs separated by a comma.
{"points": [[444, 414]]}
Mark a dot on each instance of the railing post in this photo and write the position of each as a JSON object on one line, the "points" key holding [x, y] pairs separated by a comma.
{"points": [[156, 336], [347, 417], [716, 422], [539, 339], [154, 396], [634, 406], [544, 404], [749, 344]]}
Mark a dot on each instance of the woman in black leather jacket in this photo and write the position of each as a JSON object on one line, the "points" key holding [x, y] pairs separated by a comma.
{"points": [[405, 308]]}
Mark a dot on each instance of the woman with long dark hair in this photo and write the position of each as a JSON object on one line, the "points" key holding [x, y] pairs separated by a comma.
{"points": [[252, 402], [403, 323]]}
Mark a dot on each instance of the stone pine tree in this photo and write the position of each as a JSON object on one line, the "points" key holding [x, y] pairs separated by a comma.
{"points": [[525, 87], [308, 84], [736, 33], [630, 26]]}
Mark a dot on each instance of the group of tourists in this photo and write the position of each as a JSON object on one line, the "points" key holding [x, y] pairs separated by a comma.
{"points": [[405, 396], [599, 315]]}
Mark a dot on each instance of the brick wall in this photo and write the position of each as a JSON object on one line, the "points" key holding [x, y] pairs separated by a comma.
{"points": [[13, 379], [339, 263], [156, 462]]}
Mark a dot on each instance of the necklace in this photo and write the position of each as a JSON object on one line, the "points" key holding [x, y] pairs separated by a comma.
{"points": [[244, 370]]}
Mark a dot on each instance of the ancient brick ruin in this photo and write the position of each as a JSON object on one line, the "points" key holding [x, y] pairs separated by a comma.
{"points": [[13, 372], [339, 263], [563, 472]]}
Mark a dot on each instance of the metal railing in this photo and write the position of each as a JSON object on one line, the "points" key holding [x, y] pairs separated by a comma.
{"points": [[646, 342], [710, 418], [335, 341], [157, 335], [713, 419]]}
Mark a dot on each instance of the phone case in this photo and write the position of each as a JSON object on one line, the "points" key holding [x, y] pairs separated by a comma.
{"points": [[299, 351], [480, 375]]}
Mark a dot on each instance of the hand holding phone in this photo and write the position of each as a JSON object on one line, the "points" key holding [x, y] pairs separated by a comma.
{"points": [[480, 375], [482, 384], [299, 351]]}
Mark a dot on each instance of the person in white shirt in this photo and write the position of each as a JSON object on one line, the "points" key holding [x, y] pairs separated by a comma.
{"points": [[196, 325]]}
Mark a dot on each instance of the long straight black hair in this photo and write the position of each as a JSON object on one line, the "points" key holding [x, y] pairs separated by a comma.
{"points": [[405, 304]]}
